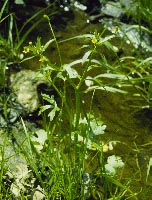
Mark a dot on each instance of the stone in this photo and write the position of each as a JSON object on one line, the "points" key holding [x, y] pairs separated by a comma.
{"points": [[113, 9], [24, 84], [132, 34]]}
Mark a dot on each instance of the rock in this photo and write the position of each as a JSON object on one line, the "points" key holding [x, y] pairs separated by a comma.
{"points": [[13, 115], [140, 39], [129, 5], [16, 168], [24, 84], [14, 164], [113, 9]]}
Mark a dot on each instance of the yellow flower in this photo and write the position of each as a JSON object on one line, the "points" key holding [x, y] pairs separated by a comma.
{"points": [[94, 41], [116, 29], [41, 59], [26, 50]]}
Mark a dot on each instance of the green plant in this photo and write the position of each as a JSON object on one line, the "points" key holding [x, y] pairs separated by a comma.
{"points": [[144, 13], [138, 70], [137, 32], [67, 160], [72, 128]]}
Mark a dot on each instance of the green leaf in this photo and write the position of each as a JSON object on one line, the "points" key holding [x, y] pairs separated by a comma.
{"points": [[39, 140], [47, 98], [111, 89], [3, 9], [103, 40], [86, 56], [107, 88], [21, 2], [71, 72], [47, 44], [149, 167], [51, 115], [109, 46], [25, 59], [53, 106], [147, 60], [72, 63], [78, 37], [113, 76], [44, 108]]}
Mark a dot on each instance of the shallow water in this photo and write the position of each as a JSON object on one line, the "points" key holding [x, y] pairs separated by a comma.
{"points": [[131, 129]]}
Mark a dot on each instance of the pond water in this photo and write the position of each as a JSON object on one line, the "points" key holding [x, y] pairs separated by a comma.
{"points": [[131, 129]]}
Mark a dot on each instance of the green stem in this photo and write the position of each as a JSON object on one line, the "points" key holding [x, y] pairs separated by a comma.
{"points": [[57, 46], [77, 90], [78, 106], [63, 97]]}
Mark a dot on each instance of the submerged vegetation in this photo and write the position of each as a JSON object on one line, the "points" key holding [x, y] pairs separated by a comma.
{"points": [[66, 155]]}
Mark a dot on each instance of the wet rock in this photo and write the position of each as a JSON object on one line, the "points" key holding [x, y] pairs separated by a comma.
{"points": [[11, 158], [24, 84], [113, 9], [16, 169], [128, 5], [140, 39], [131, 33], [13, 115], [119, 9]]}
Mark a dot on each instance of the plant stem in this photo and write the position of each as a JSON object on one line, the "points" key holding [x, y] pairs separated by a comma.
{"points": [[57, 46]]}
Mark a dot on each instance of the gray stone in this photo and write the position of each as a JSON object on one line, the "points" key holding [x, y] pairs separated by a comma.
{"points": [[131, 34], [13, 115], [129, 5], [113, 9], [24, 84]]}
